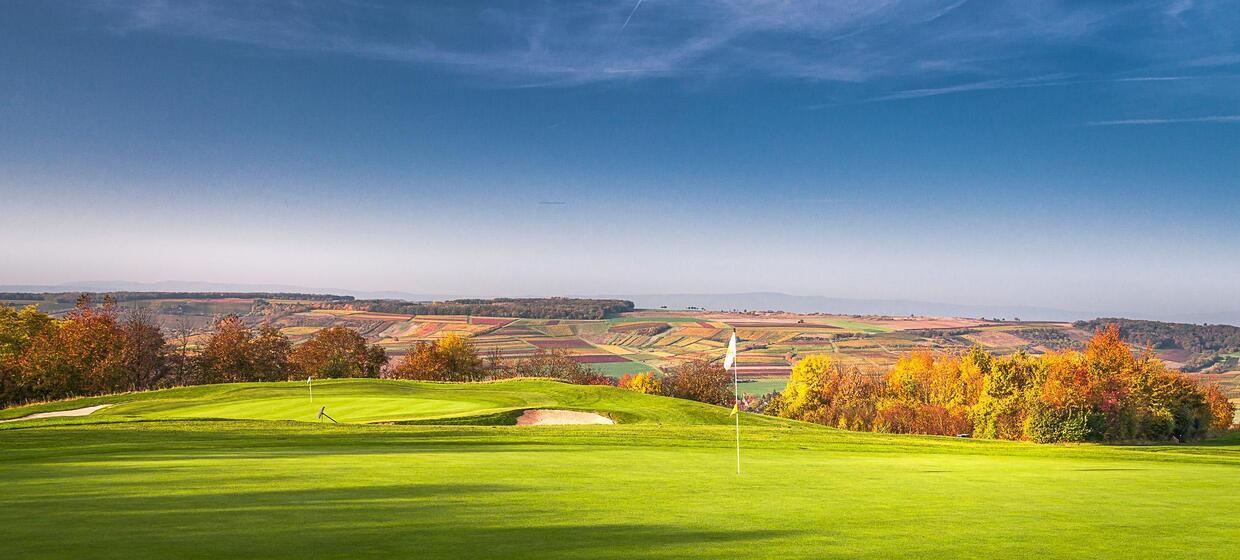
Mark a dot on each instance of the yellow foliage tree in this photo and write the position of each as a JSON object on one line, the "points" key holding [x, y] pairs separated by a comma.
{"points": [[646, 383]]}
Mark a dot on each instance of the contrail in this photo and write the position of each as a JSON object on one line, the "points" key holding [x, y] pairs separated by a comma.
{"points": [[627, 19]]}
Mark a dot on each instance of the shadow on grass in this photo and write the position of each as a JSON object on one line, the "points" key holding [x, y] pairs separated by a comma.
{"points": [[398, 521]]}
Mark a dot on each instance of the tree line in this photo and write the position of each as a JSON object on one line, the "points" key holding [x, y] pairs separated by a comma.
{"points": [[1160, 335], [524, 308], [101, 349], [1104, 393], [71, 297]]}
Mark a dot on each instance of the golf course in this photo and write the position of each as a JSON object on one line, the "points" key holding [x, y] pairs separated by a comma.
{"points": [[436, 470]]}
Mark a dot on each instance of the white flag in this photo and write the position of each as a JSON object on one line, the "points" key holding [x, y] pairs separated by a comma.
{"points": [[730, 358]]}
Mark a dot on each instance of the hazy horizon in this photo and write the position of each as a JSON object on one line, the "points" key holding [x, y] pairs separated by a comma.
{"points": [[736, 301], [1077, 156]]}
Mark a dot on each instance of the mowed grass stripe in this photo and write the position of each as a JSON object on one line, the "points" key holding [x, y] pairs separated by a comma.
{"points": [[193, 489]]}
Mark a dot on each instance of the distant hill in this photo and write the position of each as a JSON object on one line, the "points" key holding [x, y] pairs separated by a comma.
{"points": [[1199, 347], [524, 308], [100, 286], [773, 301]]}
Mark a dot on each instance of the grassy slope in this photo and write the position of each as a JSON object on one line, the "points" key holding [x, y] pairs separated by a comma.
{"points": [[87, 487], [373, 400]]}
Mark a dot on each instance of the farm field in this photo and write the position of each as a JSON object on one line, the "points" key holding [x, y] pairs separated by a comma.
{"points": [[655, 340], [153, 477], [647, 340]]}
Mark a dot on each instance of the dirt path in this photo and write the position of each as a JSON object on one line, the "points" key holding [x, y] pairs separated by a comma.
{"points": [[58, 413], [560, 417]]}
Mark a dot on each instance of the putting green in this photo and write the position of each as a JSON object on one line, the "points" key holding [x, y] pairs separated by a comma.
{"points": [[126, 484], [373, 400]]}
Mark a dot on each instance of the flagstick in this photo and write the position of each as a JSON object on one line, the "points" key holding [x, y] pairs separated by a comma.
{"points": [[736, 392]]}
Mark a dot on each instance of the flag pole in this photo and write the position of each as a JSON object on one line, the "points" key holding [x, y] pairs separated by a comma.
{"points": [[736, 395]]}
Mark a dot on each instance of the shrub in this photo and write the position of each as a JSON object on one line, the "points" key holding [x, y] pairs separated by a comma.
{"points": [[1047, 424]]}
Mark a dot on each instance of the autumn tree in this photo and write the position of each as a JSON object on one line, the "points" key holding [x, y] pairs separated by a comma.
{"points": [[451, 358], [699, 380], [338, 352], [558, 364], [92, 351], [646, 382], [1222, 412], [821, 391], [145, 348], [18, 330], [234, 352], [930, 393]]}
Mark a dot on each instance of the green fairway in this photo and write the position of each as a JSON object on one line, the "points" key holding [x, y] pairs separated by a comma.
{"points": [[122, 483]]}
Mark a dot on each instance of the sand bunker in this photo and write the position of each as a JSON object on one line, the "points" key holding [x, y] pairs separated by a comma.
{"points": [[560, 417], [58, 413]]}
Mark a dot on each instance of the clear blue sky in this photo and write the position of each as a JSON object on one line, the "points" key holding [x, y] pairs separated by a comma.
{"points": [[1081, 155]]}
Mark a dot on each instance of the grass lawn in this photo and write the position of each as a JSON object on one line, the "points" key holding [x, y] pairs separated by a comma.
{"points": [[618, 369], [764, 385], [857, 326], [138, 480]]}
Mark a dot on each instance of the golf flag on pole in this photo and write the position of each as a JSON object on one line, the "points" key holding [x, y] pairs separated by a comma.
{"points": [[730, 358], [729, 362]]}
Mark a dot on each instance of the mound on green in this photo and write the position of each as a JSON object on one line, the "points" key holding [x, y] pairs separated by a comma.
{"points": [[148, 484]]}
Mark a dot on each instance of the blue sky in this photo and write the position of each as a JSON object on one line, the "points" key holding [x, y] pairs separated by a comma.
{"points": [[1080, 155]]}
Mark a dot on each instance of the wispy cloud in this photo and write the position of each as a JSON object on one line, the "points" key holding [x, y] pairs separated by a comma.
{"points": [[1216, 119], [1037, 81], [966, 45]]}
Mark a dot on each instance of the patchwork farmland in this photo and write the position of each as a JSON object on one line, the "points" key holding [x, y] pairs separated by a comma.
{"points": [[648, 340], [654, 340]]}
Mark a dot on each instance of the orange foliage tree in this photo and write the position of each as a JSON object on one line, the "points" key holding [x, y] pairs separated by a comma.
{"points": [[338, 352], [820, 391], [92, 351], [234, 352], [699, 380], [1104, 393], [451, 358]]}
